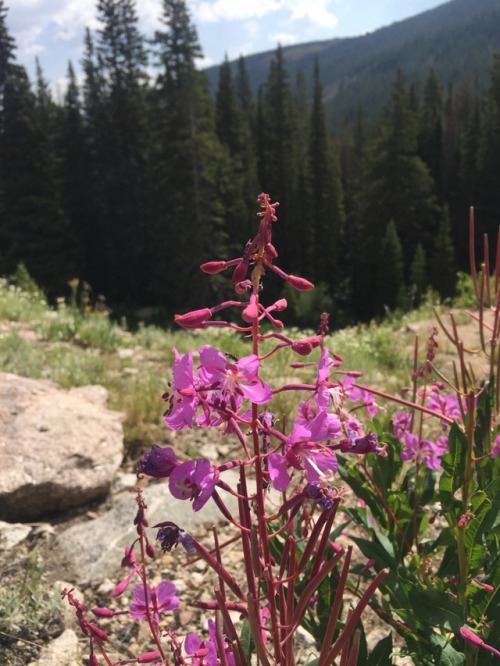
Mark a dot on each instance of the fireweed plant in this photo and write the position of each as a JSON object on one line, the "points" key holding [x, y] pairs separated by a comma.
{"points": [[425, 513]]}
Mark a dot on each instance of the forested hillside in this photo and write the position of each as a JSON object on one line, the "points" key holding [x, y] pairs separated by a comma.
{"points": [[454, 39], [136, 179]]}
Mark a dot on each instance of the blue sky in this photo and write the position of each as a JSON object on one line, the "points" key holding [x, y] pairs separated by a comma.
{"points": [[53, 30]]}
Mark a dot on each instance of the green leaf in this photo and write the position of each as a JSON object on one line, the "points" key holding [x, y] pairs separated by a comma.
{"points": [[381, 655], [246, 640], [444, 653], [436, 609], [453, 464], [485, 514], [380, 549]]}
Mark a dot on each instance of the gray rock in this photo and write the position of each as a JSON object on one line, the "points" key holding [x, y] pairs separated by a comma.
{"points": [[95, 549], [11, 534], [62, 651], [58, 449]]}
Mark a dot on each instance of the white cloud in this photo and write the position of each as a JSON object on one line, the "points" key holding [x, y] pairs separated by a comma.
{"points": [[211, 11], [316, 12]]}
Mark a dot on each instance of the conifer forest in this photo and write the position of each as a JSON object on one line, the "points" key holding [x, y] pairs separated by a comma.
{"points": [[142, 172]]}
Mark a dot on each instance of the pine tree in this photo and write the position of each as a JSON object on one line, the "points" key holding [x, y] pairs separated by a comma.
{"points": [[488, 205], [75, 175], [390, 283], [33, 228], [396, 185], [277, 154], [443, 271], [418, 277], [430, 136], [234, 131], [191, 167], [116, 79], [325, 212]]}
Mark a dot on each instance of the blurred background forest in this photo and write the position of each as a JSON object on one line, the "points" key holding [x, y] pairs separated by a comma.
{"points": [[375, 147]]}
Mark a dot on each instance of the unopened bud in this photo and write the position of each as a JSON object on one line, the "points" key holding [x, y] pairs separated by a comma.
{"points": [[271, 251], [150, 551], [148, 657], [300, 284], [120, 587], [213, 267], [306, 345], [302, 347], [193, 319], [240, 272], [102, 612]]}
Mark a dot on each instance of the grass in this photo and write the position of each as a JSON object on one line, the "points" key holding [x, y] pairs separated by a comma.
{"points": [[30, 612], [74, 348]]}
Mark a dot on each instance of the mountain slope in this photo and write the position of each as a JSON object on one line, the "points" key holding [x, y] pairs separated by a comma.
{"points": [[456, 39]]}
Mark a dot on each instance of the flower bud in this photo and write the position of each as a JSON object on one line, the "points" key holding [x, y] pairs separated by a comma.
{"points": [[102, 612], [300, 284], [271, 251], [240, 271], [193, 319], [148, 657], [213, 267], [306, 345], [302, 347]]}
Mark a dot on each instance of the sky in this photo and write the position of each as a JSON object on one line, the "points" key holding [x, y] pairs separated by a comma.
{"points": [[53, 30]]}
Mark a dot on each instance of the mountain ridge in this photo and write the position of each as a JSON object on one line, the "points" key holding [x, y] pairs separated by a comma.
{"points": [[456, 39]]}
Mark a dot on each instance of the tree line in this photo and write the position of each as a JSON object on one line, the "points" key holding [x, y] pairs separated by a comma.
{"points": [[134, 180]]}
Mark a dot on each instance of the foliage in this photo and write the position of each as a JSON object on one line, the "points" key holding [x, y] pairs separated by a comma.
{"points": [[29, 610]]}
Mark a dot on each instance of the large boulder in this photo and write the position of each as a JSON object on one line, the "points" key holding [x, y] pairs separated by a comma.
{"points": [[58, 449]]}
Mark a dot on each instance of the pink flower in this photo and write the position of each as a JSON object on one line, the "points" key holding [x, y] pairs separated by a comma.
{"points": [[233, 377], [424, 450], [316, 462], [401, 423], [184, 400], [159, 462], [447, 405], [194, 481], [160, 599]]}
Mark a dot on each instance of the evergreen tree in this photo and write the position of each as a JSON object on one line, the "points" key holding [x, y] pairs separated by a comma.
{"points": [[390, 284], [244, 89], [418, 277], [76, 177], [430, 136], [191, 167], [396, 185], [234, 131], [33, 229], [116, 80], [277, 154], [443, 271], [489, 155], [325, 212]]}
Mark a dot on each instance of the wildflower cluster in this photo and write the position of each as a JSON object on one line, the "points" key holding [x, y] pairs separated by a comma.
{"points": [[288, 494]]}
